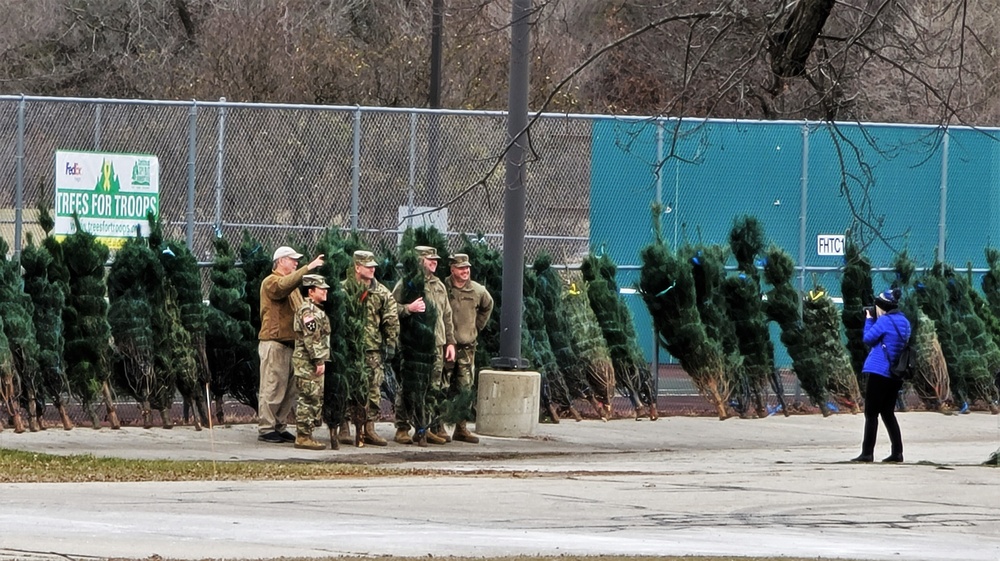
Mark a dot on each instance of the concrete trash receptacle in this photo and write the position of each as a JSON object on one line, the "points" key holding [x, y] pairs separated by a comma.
{"points": [[507, 403]]}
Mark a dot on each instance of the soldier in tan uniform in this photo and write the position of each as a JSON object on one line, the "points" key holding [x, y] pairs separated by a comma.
{"points": [[381, 336], [444, 335], [279, 298], [312, 351], [471, 306]]}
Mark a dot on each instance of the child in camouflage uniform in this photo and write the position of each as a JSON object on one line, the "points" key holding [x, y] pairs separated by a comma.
{"points": [[312, 350]]}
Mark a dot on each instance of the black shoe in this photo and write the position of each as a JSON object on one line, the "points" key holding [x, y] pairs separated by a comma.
{"points": [[286, 436], [273, 437], [893, 459], [864, 459]]}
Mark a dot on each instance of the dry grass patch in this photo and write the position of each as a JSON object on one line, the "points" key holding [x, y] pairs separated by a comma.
{"points": [[31, 467]]}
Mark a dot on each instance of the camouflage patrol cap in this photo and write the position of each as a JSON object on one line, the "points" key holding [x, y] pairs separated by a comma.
{"points": [[365, 259], [427, 252], [314, 280], [460, 260]]}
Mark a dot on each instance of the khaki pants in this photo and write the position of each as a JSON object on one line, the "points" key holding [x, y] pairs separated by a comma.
{"points": [[277, 394]]}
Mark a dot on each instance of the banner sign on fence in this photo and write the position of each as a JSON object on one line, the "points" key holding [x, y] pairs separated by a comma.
{"points": [[829, 244], [111, 193]]}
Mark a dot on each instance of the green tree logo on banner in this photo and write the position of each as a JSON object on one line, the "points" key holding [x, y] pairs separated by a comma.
{"points": [[108, 181]]}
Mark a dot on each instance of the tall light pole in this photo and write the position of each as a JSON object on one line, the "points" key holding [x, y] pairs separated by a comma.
{"points": [[514, 193], [434, 100]]}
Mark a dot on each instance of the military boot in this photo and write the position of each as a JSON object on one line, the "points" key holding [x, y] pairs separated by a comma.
{"points": [[334, 445], [462, 434], [433, 438], [402, 436], [306, 442], [344, 433], [372, 437], [440, 431]]}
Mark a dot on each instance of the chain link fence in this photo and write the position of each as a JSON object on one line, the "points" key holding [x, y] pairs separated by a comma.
{"points": [[284, 173]]}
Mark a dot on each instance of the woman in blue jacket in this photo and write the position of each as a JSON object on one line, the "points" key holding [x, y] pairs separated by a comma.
{"points": [[886, 334]]}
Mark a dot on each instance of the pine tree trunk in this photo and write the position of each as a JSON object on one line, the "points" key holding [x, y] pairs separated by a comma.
{"points": [[95, 423], [12, 407], [165, 419], [146, 415], [220, 413], [33, 421], [66, 422], [110, 407]]}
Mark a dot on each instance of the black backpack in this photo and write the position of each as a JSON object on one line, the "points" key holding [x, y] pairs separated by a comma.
{"points": [[905, 365]]}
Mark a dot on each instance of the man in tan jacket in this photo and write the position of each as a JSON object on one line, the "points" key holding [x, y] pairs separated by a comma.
{"points": [[471, 306], [279, 298]]}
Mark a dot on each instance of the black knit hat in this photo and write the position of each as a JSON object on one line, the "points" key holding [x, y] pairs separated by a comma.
{"points": [[888, 300]]}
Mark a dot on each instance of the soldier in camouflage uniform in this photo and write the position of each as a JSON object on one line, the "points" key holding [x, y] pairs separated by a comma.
{"points": [[381, 336], [471, 306], [312, 351], [444, 335]]}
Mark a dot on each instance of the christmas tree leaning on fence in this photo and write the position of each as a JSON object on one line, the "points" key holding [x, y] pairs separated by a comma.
{"points": [[783, 308], [184, 278], [667, 285], [176, 358], [746, 311], [85, 319], [230, 340], [931, 382], [632, 373], [17, 311], [134, 282], [49, 299], [856, 291], [549, 294]]}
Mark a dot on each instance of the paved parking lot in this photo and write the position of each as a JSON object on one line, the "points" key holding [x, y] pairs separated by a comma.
{"points": [[678, 486]]}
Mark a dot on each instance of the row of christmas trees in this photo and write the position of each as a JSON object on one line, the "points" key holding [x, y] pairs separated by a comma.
{"points": [[73, 328], [716, 324], [70, 327]]}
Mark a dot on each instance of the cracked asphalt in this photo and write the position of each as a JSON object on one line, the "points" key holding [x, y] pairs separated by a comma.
{"points": [[678, 486]]}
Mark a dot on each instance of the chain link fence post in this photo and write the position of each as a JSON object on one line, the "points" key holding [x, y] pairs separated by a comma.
{"points": [[356, 170], [19, 180], [192, 155], [943, 218], [97, 127], [803, 202], [220, 152]]}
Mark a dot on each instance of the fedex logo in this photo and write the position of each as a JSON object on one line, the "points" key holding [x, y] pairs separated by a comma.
{"points": [[73, 169]]}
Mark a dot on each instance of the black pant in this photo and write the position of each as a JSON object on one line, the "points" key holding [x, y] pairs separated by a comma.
{"points": [[880, 400]]}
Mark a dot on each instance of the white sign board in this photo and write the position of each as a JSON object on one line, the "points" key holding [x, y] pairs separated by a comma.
{"points": [[418, 216], [829, 244], [110, 193]]}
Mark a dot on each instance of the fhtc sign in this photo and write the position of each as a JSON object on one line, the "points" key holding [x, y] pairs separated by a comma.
{"points": [[828, 244]]}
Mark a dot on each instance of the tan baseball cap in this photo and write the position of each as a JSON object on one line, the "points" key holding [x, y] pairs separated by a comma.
{"points": [[285, 251]]}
